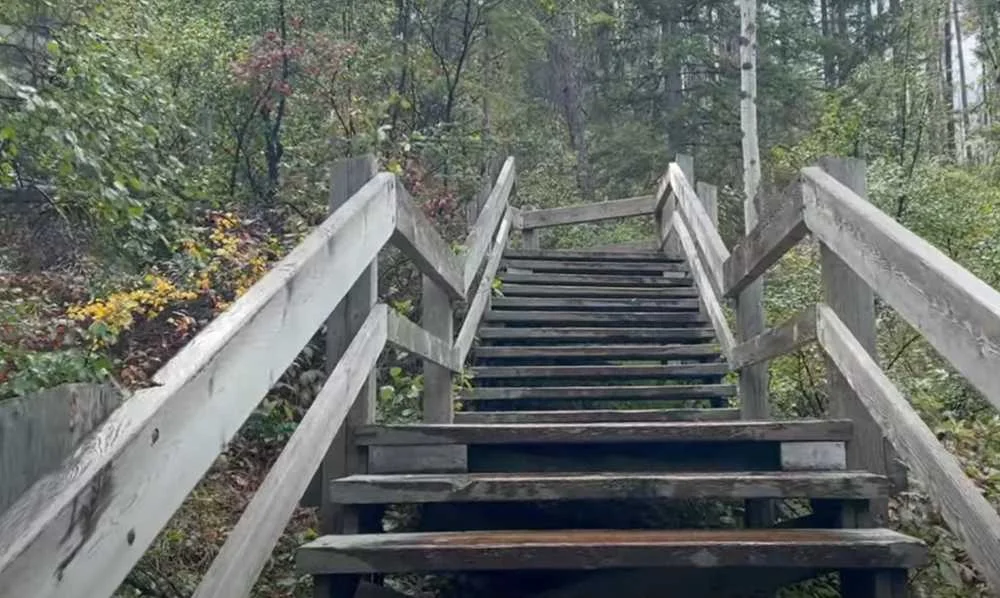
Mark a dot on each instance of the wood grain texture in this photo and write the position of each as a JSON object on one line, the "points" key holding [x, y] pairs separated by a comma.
{"points": [[604, 549], [603, 305], [775, 342], [480, 301], [606, 352], [409, 336], [708, 298], [136, 469], [813, 456], [968, 514], [602, 267], [564, 318], [608, 432], [438, 319], [609, 372], [417, 238], [665, 392], [543, 290], [249, 545], [672, 279], [477, 244], [582, 333], [593, 212], [650, 255], [596, 415], [509, 487], [711, 249], [958, 313]]}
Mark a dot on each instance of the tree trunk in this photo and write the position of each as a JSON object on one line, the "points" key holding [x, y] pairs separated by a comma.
{"points": [[965, 151], [949, 84], [565, 66]]}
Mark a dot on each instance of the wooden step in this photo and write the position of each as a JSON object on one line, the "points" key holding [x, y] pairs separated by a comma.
{"points": [[662, 392], [610, 334], [578, 255], [567, 318], [596, 415], [603, 305], [580, 267], [602, 372], [807, 430], [601, 549], [691, 352], [542, 290], [668, 280], [622, 485]]}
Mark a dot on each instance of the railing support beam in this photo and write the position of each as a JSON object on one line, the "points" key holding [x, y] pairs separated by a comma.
{"points": [[437, 318]]}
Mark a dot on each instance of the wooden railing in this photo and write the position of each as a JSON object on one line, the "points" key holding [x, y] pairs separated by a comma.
{"points": [[78, 531], [863, 252]]}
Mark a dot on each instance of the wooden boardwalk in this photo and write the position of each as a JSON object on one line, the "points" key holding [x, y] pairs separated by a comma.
{"points": [[605, 383]]}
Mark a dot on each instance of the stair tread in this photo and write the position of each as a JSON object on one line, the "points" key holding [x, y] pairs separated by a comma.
{"points": [[606, 432], [571, 255], [584, 317], [671, 279], [571, 303], [619, 393], [544, 290], [600, 351], [615, 485], [598, 549], [598, 332], [577, 266], [597, 415], [697, 370]]}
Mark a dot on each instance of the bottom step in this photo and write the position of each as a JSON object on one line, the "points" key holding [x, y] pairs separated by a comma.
{"points": [[605, 549]]}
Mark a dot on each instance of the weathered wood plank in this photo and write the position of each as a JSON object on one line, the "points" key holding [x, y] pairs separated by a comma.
{"points": [[623, 372], [437, 318], [596, 415], [562, 318], [673, 279], [417, 238], [604, 305], [602, 549], [814, 456], [593, 212], [651, 255], [957, 312], [968, 514], [609, 352], [439, 458], [522, 290], [39, 431], [765, 244], [608, 432], [711, 248], [249, 545], [708, 298], [467, 333], [407, 335], [599, 334], [603, 267], [136, 469], [775, 342], [609, 393], [478, 242], [709, 196], [510, 487]]}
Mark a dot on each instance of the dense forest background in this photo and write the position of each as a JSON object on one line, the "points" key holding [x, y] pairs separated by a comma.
{"points": [[157, 155]]}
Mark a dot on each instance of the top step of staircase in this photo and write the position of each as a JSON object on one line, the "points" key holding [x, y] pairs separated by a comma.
{"points": [[576, 255]]}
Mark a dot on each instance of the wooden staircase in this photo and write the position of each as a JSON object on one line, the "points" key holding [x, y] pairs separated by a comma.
{"points": [[598, 383]]}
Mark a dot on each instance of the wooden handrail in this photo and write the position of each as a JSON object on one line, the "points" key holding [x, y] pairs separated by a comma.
{"points": [[478, 242], [799, 330], [592, 212], [711, 248], [467, 333], [416, 238]]}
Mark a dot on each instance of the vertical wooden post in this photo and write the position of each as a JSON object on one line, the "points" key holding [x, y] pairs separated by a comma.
{"points": [[343, 458], [854, 302], [672, 245], [708, 194], [529, 236], [437, 318]]}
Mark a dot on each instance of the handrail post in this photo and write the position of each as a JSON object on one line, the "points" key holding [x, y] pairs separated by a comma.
{"points": [[854, 303], [529, 236], [347, 176], [708, 195], [437, 318]]}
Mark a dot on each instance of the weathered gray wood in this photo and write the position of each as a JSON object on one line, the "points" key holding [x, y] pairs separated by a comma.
{"points": [[600, 334], [594, 212], [248, 547], [806, 430], [39, 431], [529, 238], [708, 297], [602, 267], [651, 255], [813, 456], [437, 318], [478, 242], [610, 352], [521, 290], [596, 415], [507, 487], [623, 372], [562, 318], [83, 527], [601, 549], [441, 458], [609, 393], [649, 244], [958, 313], [709, 196], [711, 248], [473, 316], [409, 336], [604, 305], [417, 238], [673, 279], [854, 302], [968, 514], [765, 245], [775, 342]]}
